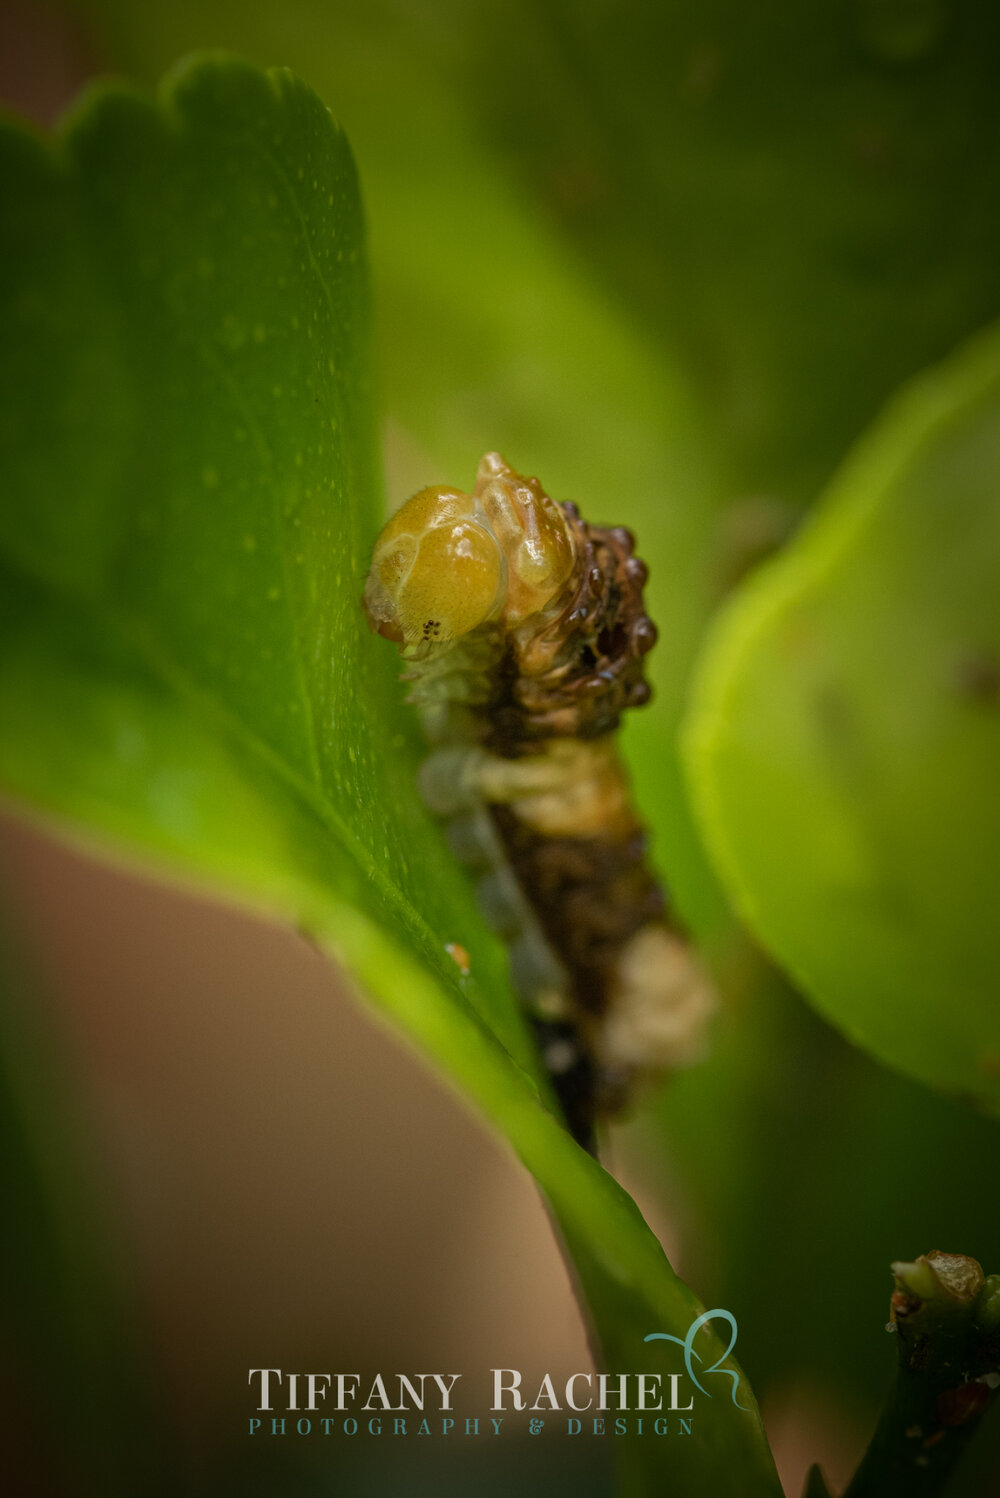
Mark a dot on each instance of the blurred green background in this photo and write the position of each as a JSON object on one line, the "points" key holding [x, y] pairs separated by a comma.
{"points": [[674, 260]]}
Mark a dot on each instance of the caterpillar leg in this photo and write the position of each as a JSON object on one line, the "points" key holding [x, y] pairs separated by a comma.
{"points": [[457, 778]]}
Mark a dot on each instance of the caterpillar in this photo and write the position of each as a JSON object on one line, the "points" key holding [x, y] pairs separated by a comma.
{"points": [[523, 633]]}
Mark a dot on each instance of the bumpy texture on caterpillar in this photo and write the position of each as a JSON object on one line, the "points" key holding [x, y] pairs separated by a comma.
{"points": [[524, 632]]}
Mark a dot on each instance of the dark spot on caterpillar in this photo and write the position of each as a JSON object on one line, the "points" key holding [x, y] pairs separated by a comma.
{"points": [[612, 641]]}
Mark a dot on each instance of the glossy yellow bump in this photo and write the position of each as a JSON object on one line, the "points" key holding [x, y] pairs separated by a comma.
{"points": [[533, 533], [437, 573]]}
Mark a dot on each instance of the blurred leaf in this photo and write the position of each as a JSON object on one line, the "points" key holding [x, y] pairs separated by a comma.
{"points": [[845, 737], [799, 203], [188, 502]]}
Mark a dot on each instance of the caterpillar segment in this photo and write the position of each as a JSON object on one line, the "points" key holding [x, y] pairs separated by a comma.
{"points": [[524, 635]]}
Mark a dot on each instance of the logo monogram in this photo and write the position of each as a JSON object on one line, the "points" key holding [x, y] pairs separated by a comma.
{"points": [[689, 1351]]}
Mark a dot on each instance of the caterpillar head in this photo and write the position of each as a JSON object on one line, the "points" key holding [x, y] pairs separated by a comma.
{"points": [[437, 571], [447, 562]]}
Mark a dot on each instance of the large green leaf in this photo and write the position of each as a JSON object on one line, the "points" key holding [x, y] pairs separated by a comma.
{"points": [[670, 257], [188, 499], [845, 738]]}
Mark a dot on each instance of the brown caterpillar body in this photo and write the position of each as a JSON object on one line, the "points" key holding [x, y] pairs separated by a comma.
{"points": [[522, 707], [573, 676]]}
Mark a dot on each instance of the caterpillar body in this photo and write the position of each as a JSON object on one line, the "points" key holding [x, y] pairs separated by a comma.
{"points": [[523, 632]]}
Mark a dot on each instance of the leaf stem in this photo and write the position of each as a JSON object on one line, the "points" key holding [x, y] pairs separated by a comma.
{"points": [[946, 1318]]}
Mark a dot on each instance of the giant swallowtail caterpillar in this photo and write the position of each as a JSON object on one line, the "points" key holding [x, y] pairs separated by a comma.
{"points": [[523, 632]]}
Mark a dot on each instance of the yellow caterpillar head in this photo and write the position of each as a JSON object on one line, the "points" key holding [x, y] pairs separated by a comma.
{"points": [[447, 562], [437, 572]]}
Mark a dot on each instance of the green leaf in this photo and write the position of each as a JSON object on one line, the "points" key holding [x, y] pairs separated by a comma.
{"points": [[672, 258], [188, 502], [845, 737], [491, 332]]}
